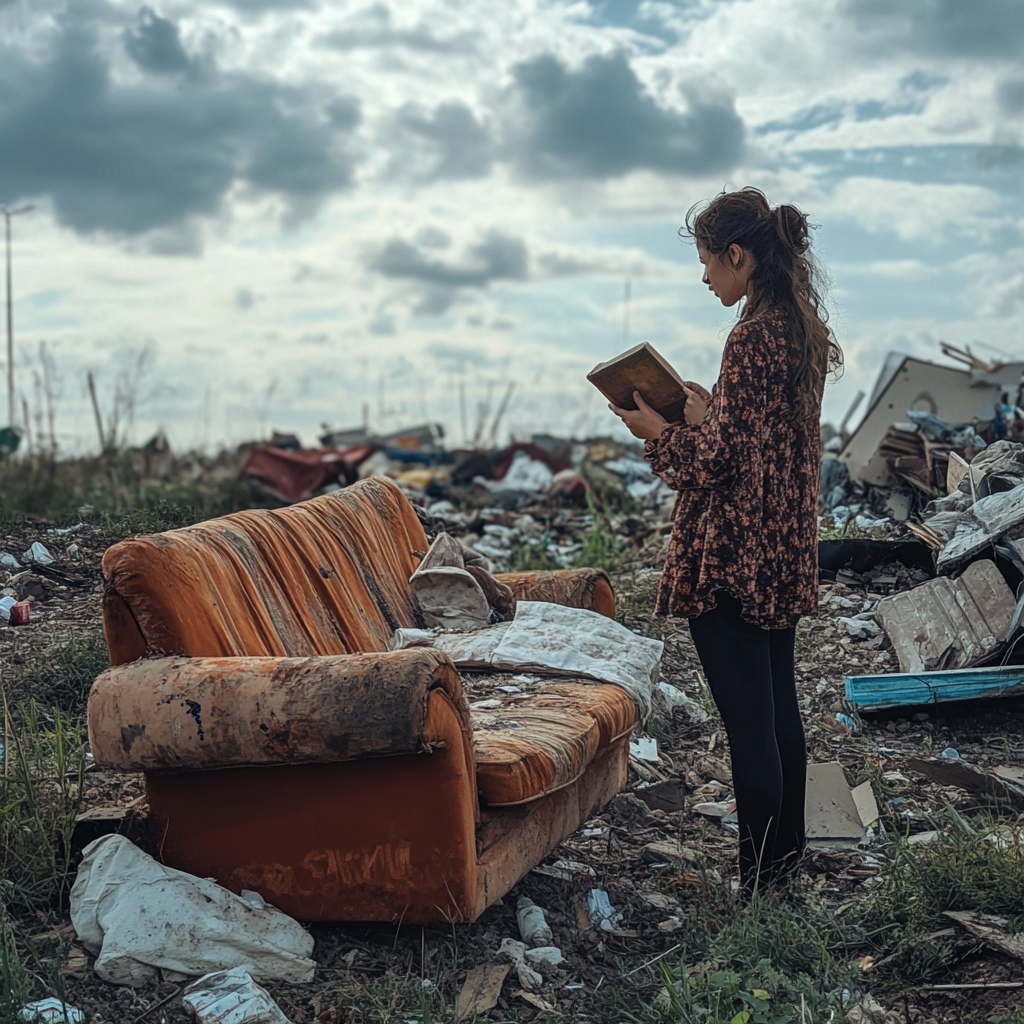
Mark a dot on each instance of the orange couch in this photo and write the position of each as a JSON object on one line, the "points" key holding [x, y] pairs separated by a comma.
{"points": [[285, 748]]}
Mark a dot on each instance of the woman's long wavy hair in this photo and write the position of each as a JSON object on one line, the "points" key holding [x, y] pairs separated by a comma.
{"points": [[785, 275]]}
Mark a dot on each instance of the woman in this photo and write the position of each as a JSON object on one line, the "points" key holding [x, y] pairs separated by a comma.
{"points": [[742, 564]]}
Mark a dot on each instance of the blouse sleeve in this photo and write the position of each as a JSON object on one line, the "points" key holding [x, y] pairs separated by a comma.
{"points": [[725, 445]]}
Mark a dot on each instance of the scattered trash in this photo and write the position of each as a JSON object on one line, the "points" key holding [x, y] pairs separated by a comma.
{"points": [[515, 953], [724, 810], [672, 924], [834, 811], [51, 1011], [645, 748], [9, 561], [668, 850], [19, 613], [868, 1010], [602, 914], [480, 990], [991, 930], [949, 624], [533, 925], [545, 958], [231, 997], [846, 720], [567, 870], [956, 772], [665, 796], [6, 604], [38, 553], [120, 890], [950, 754], [871, 692]]}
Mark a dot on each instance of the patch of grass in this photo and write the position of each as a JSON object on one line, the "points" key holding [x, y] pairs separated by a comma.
{"points": [[40, 796], [60, 676], [960, 871], [768, 962], [601, 549], [56, 489], [15, 980]]}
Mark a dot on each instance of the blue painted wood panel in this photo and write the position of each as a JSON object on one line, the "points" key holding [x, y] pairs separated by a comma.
{"points": [[894, 690]]}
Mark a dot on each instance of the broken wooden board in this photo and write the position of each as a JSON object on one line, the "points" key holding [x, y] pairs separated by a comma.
{"points": [[948, 624], [870, 693], [991, 930], [953, 772]]}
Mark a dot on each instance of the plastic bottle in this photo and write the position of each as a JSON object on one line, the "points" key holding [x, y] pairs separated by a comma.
{"points": [[533, 925]]}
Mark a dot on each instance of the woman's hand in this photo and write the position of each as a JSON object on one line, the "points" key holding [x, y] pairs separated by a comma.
{"points": [[697, 400], [642, 422]]}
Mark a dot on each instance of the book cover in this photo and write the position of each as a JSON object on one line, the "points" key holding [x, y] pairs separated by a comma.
{"points": [[641, 369]]}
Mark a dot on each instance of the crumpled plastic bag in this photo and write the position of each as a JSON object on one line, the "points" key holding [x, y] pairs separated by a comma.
{"points": [[137, 915]]}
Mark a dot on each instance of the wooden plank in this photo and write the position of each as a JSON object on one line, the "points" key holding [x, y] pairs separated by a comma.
{"points": [[899, 689]]}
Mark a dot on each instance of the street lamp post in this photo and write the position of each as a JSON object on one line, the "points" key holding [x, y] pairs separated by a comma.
{"points": [[8, 214]]}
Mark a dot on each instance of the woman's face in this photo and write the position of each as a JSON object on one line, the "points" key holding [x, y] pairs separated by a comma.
{"points": [[727, 275]]}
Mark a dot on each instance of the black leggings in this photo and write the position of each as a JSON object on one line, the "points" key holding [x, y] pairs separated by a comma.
{"points": [[751, 674]]}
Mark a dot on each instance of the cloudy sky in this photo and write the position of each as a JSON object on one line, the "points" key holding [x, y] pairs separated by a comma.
{"points": [[256, 214]]}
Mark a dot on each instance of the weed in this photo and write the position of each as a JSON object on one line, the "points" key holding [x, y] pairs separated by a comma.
{"points": [[40, 791], [15, 980]]}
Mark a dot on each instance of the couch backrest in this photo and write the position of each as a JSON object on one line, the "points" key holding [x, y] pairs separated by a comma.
{"points": [[326, 576]]}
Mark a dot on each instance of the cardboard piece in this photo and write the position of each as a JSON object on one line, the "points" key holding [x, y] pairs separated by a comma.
{"points": [[481, 990], [834, 811]]}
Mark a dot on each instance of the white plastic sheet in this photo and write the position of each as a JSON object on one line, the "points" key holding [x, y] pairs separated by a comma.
{"points": [[136, 915]]}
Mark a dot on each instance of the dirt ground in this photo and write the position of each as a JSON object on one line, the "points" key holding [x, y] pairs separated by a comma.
{"points": [[366, 971]]}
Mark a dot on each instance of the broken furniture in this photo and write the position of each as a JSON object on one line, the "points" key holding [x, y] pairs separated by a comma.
{"points": [[947, 623], [287, 751], [874, 692]]}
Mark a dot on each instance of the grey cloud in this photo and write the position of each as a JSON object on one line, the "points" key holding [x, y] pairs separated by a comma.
{"points": [[445, 143], [439, 284], [245, 298], [495, 257], [433, 238], [597, 121], [373, 29], [155, 45], [980, 28], [127, 161], [1011, 97], [263, 6]]}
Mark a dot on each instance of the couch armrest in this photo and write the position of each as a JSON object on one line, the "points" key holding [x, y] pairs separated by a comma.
{"points": [[184, 714], [574, 588]]}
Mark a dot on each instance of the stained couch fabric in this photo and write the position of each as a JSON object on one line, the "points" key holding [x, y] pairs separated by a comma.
{"points": [[350, 783], [327, 576], [195, 713]]}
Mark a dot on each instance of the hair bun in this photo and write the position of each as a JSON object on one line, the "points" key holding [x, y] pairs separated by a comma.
{"points": [[792, 227]]}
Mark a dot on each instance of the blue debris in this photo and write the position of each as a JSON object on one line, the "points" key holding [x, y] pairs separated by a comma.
{"points": [[847, 721], [950, 754], [901, 689]]}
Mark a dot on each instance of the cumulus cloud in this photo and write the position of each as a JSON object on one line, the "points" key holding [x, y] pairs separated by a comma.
{"points": [[440, 283], [913, 212], [155, 44], [981, 28], [597, 121], [495, 257], [126, 160], [373, 28], [447, 142]]}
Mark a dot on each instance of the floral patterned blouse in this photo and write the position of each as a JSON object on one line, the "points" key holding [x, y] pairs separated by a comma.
{"points": [[745, 519]]}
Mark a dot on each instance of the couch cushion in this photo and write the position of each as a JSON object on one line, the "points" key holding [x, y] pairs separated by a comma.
{"points": [[328, 576], [538, 742]]}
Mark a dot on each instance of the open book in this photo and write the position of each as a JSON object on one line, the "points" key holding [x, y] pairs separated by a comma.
{"points": [[641, 369]]}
